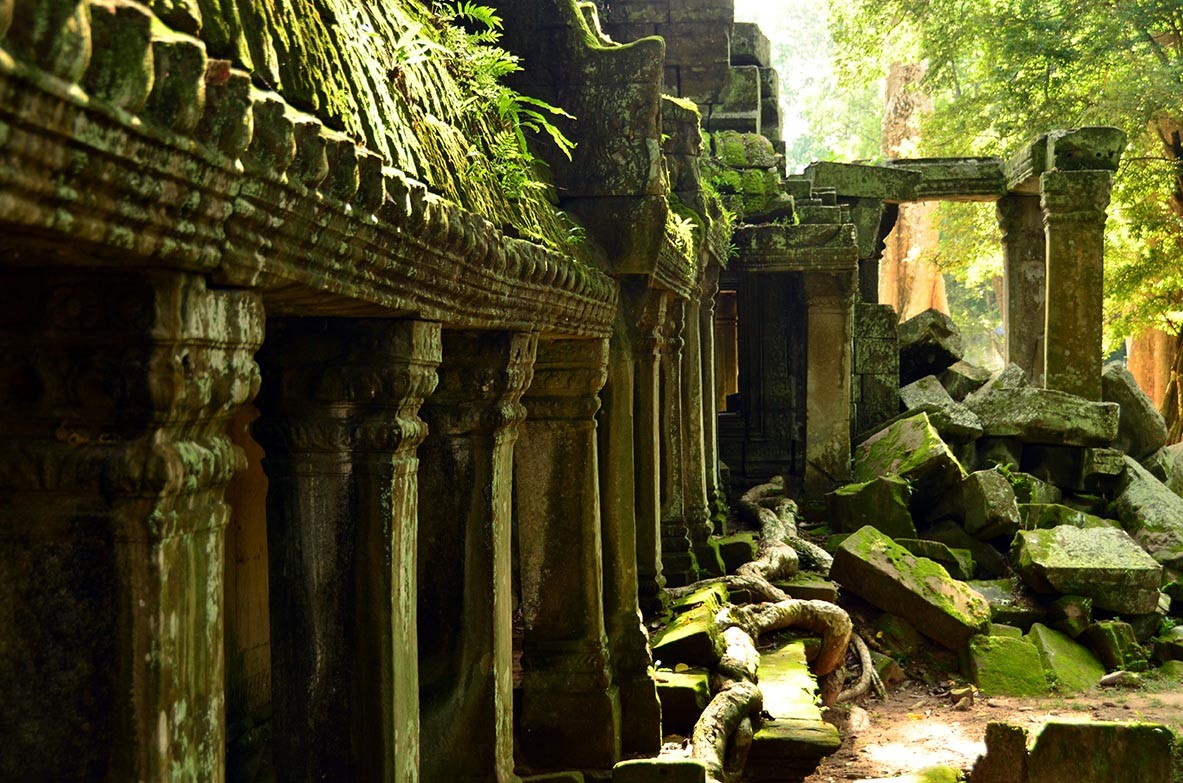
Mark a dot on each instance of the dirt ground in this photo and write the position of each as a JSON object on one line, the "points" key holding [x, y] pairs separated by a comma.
{"points": [[916, 726]]}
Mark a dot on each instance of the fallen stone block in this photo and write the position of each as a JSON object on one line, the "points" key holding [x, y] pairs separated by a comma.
{"points": [[1152, 514], [1114, 644], [1071, 614], [1006, 666], [692, 638], [1002, 629], [984, 503], [926, 775], [1029, 489], [555, 777], [1070, 667], [898, 635], [1102, 563], [1141, 430], [1169, 645], [1173, 459], [1009, 603], [1171, 670], [962, 379], [989, 563], [991, 453], [955, 422], [794, 738], [958, 562], [888, 669], [809, 586], [1148, 625], [1005, 760], [683, 695], [1101, 752], [873, 567], [712, 596], [929, 344], [913, 450], [737, 549], [1044, 516], [660, 770], [1044, 416], [881, 503]]}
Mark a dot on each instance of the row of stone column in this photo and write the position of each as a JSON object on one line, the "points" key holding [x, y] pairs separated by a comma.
{"points": [[1053, 249]]}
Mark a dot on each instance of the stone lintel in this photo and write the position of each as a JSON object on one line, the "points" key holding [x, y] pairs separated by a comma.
{"points": [[749, 45], [857, 180], [956, 179], [815, 247], [1091, 148]]}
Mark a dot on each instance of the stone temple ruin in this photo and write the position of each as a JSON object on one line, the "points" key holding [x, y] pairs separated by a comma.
{"points": [[321, 463]]}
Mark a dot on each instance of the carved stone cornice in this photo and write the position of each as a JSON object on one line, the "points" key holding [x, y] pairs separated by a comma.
{"points": [[128, 190], [345, 386], [1075, 196], [652, 323], [568, 376]]}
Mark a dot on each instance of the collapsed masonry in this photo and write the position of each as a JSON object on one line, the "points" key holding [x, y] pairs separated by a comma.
{"points": [[480, 449]]}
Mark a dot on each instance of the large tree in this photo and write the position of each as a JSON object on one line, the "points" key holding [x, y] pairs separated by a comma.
{"points": [[1003, 71]]}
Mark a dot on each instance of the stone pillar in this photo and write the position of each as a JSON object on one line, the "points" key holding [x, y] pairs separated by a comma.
{"points": [[1074, 205], [465, 562], [677, 557], [340, 427], [628, 641], [830, 328], [118, 387], [570, 707], [726, 348], [649, 313], [1020, 220], [716, 497], [694, 467]]}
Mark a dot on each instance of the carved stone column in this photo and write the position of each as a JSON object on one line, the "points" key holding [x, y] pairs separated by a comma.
{"points": [[694, 466], [677, 556], [1074, 205], [716, 496], [649, 314], [628, 641], [570, 707], [829, 350], [117, 390], [1024, 256], [465, 557], [340, 427]]}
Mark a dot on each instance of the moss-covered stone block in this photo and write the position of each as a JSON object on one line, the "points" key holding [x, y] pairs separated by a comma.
{"points": [[1071, 614], [738, 549], [660, 770], [881, 503], [1002, 629], [1044, 416], [912, 449], [556, 777], [898, 635], [1005, 760], [1115, 645], [1102, 563], [692, 638], [873, 567], [1044, 516], [1168, 646], [809, 586], [1152, 514], [1009, 603], [1029, 489], [984, 503], [1101, 752], [684, 695], [1171, 670], [1006, 666], [989, 563], [958, 562], [1070, 667], [712, 596]]}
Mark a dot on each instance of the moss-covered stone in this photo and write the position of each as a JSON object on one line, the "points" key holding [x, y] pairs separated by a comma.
{"points": [[1044, 416], [737, 549], [1168, 646], [951, 419], [684, 695], [958, 562], [1101, 563], [1071, 614], [1006, 666], [989, 563], [1070, 667], [872, 566], [1009, 603], [912, 449], [1101, 752], [881, 503], [692, 638], [1002, 629], [1115, 645], [809, 586], [898, 635], [660, 770], [1152, 514], [1029, 489], [1043, 516], [712, 596]]}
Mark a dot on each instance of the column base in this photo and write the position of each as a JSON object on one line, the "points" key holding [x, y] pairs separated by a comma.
{"points": [[710, 562], [680, 568], [651, 599], [571, 729], [640, 727]]}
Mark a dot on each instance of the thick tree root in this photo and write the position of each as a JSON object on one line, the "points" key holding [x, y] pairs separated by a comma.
{"points": [[821, 617], [868, 677], [775, 515], [719, 721]]}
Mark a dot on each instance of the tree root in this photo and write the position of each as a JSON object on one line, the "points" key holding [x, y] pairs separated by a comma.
{"points": [[767, 508], [821, 617], [868, 677], [729, 707]]}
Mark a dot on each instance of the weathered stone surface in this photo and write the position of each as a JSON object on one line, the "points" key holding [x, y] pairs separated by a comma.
{"points": [[958, 562], [855, 180], [1044, 416], [555, 777], [1102, 563], [684, 695], [749, 45], [1168, 646], [929, 344], [737, 549], [989, 563], [1005, 760], [808, 586], [692, 638], [913, 450], [898, 635], [952, 420], [984, 503], [1006, 666], [874, 568], [1152, 514], [926, 775], [1070, 667], [990, 453], [1114, 643], [881, 503], [1009, 603], [1044, 516], [1101, 752], [962, 379], [795, 738], [660, 770], [712, 597], [1173, 459], [1029, 489], [1147, 625], [1141, 430], [1071, 614]]}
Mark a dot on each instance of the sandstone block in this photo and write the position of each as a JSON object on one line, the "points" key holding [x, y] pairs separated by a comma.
{"points": [[962, 379], [952, 420], [1114, 644], [890, 577], [881, 503], [1152, 514], [660, 770], [1100, 752], [1071, 614], [692, 638], [912, 449], [1102, 563], [1070, 667], [1029, 489], [958, 562], [1009, 603], [1006, 666], [929, 344], [1044, 416], [1044, 516], [1141, 430], [684, 695], [989, 563], [984, 503]]}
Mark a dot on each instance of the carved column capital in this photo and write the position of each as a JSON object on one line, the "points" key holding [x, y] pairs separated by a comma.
{"points": [[568, 376], [482, 381], [651, 323], [1075, 196]]}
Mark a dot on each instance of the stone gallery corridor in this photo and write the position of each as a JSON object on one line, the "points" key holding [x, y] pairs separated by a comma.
{"points": [[447, 392]]}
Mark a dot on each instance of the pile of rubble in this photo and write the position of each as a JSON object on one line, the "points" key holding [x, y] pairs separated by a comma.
{"points": [[1036, 534]]}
